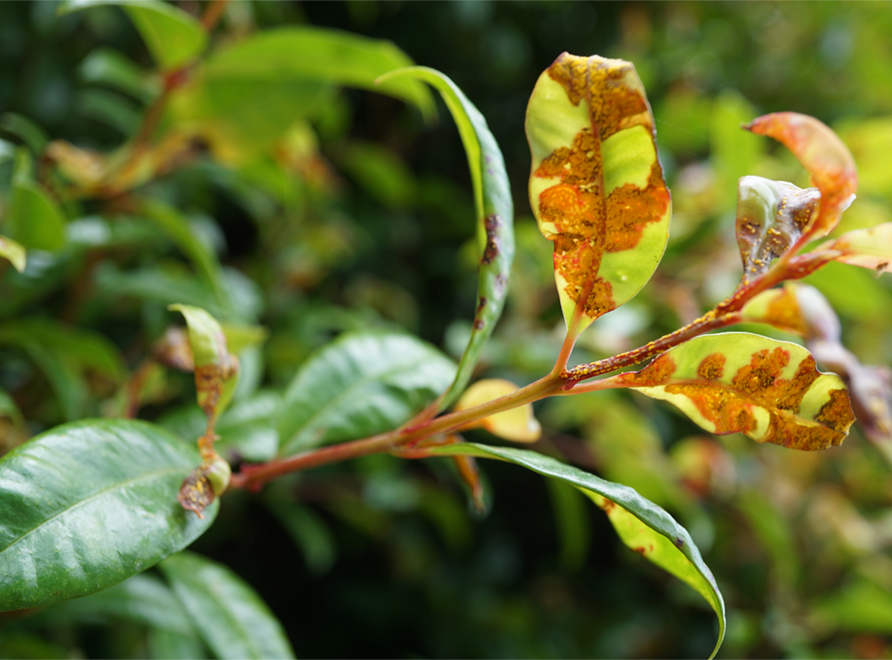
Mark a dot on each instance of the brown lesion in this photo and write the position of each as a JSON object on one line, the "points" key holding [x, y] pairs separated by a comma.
{"points": [[712, 366], [492, 224], [783, 312]]}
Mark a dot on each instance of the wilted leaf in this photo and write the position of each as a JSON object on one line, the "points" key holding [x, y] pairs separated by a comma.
{"points": [[358, 385], [823, 154], [771, 216], [228, 614], [14, 252], [87, 505], [495, 217], [173, 37], [642, 525], [770, 391], [517, 424], [596, 187], [868, 248]]}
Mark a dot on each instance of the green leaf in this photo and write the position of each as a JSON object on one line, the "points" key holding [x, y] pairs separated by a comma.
{"points": [[360, 384], [862, 606], [27, 131], [109, 108], [771, 391], [228, 614], [641, 524], [142, 598], [596, 186], [247, 95], [109, 67], [34, 218], [173, 37], [495, 217], [216, 371], [14, 252], [89, 504]]}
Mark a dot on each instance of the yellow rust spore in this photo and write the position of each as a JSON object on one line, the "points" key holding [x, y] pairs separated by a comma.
{"points": [[712, 366]]}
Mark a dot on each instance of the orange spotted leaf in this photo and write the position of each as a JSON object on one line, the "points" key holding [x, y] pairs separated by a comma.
{"points": [[771, 391], [823, 154], [596, 186], [771, 216]]}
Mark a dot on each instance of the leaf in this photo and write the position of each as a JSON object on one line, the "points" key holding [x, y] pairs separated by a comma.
{"points": [[869, 248], [823, 154], [173, 37], [803, 310], [495, 217], [596, 186], [87, 505], [360, 384], [517, 424], [142, 598], [771, 391], [109, 67], [247, 95], [642, 525], [771, 216], [13, 252], [34, 219], [861, 606], [216, 371], [27, 131], [228, 614]]}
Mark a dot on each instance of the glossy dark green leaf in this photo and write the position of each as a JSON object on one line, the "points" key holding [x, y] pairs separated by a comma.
{"points": [[89, 504], [641, 524], [360, 384], [173, 37], [229, 615], [495, 216]]}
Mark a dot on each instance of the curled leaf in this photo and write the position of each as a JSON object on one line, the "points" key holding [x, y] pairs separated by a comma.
{"points": [[204, 484], [771, 391], [596, 186], [771, 216], [517, 424], [823, 154]]}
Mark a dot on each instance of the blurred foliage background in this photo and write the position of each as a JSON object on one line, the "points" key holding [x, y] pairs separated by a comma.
{"points": [[364, 218]]}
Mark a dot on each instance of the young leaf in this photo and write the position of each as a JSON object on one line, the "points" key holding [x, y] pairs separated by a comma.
{"points": [[517, 424], [641, 524], [361, 384], [596, 186], [216, 370], [823, 154], [771, 391], [89, 504], [173, 37], [13, 252], [771, 216], [228, 614], [495, 217], [869, 248]]}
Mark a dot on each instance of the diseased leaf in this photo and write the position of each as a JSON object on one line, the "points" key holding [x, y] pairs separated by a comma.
{"points": [[596, 186], [823, 154], [216, 370], [771, 216], [13, 252], [803, 310], [89, 504], [517, 424], [869, 248], [228, 614], [173, 37], [642, 525], [360, 384], [495, 217], [771, 391]]}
